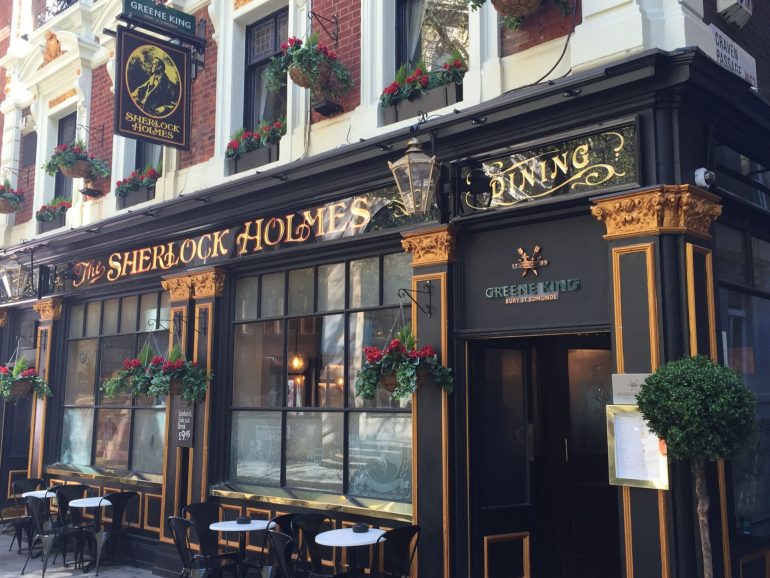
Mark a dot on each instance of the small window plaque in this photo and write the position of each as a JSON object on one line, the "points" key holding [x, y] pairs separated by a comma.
{"points": [[185, 420]]}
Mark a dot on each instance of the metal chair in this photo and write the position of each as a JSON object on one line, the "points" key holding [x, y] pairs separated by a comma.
{"points": [[280, 524], [398, 547], [282, 546], [305, 528], [108, 532], [72, 524], [21, 521], [45, 530], [202, 515], [181, 528]]}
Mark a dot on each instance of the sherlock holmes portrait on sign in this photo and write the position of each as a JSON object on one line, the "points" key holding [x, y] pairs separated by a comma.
{"points": [[153, 92]]}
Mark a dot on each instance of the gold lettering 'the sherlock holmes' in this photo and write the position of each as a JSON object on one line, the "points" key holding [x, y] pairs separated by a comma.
{"points": [[330, 221]]}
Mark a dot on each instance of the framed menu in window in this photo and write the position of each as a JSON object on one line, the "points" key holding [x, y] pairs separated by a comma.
{"points": [[637, 457]]}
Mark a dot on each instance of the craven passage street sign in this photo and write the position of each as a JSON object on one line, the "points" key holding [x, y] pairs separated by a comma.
{"points": [[152, 96]]}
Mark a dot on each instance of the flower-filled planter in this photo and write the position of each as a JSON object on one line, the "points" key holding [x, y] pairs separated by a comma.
{"points": [[137, 187], [20, 381], [52, 216], [73, 161], [312, 65], [514, 11], [10, 200], [248, 150], [176, 376], [135, 377], [416, 91], [400, 368]]}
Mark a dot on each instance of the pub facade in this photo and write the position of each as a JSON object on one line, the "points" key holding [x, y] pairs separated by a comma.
{"points": [[590, 226]]}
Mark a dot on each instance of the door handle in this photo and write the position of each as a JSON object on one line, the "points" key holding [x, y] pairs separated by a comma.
{"points": [[566, 451]]}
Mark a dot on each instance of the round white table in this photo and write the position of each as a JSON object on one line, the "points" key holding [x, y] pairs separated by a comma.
{"points": [[42, 494], [233, 526], [347, 538], [95, 502]]}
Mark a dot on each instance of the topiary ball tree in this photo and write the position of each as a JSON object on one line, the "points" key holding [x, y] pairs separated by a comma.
{"points": [[704, 412]]}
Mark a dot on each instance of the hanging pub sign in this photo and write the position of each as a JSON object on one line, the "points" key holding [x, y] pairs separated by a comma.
{"points": [[366, 213], [591, 162], [152, 96]]}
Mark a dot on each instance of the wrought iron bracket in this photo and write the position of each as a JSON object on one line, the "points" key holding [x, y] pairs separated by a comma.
{"points": [[92, 133], [427, 291], [323, 21]]}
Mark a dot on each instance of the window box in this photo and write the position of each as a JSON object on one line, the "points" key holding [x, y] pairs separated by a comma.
{"points": [[252, 159], [136, 196], [434, 99], [55, 223]]}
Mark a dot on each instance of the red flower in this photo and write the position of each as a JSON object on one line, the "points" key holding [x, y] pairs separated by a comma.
{"points": [[233, 144], [157, 360], [31, 372], [392, 88], [4, 370], [424, 81]]}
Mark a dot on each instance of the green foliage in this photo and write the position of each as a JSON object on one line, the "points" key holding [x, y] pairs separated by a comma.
{"points": [[411, 83], [134, 378], [18, 374], [13, 197], [513, 22], [703, 410], [194, 377]]}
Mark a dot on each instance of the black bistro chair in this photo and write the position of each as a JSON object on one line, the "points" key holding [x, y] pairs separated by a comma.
{"points": [[282, 525], [46, 532], [107, 534], [282, 548], [72, 524], [305, 528], [202, 515], [19, 518], [397, 548], [195, 566]]}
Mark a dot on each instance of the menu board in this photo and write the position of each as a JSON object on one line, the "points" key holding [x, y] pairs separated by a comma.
{"points": [[185, 411], [637, 457]]}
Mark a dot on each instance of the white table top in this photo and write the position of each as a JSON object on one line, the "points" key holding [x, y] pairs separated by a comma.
{"points": [[346, 537], [233, 526], [42, 494], [94, 502]]}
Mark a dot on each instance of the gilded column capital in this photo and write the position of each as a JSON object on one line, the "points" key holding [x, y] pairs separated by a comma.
{"points": [[433, 246], [208, 284], [663, 209], [48, 309], [179, 287], [3, 318]]}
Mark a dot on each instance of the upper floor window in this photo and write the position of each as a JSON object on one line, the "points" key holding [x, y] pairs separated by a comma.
{"points": [[431, 31], [263, 41], [66, 133]]}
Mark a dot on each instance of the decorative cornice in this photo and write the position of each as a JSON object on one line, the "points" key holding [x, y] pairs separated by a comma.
{"points": [[3, 318], [48, 309], [434, 246], [61, 98], [238, 3], [179, 287], [208, 284], [679, 209]]}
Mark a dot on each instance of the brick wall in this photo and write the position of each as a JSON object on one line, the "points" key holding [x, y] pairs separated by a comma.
{"points": [[348, 46], [546, 23], [102, 107], [203, 101], [26, 182], [752, 38]]}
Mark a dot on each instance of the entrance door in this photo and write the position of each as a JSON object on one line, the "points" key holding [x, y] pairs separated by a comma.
{"points": [[537, 467]]}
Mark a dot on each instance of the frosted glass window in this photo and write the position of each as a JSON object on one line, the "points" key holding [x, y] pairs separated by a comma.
{"points": [[76, 436], [331, 287], [398, 275], [113, 432], [110, 317], [147, 449], [246, 298], [76, 321], [128, 314], [255, 454], [365, 282], [81, 372], [93, 313], [314, 449], [148, 314], [272, 294], [301, 291], [258, 369]]}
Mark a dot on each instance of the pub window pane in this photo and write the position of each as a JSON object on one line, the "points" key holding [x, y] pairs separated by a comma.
{"points": [[110, 317], [76, 321], [760, 251], [381, 456], [255, 454], [76, 436], [113, 351], [331, 287], [375, 328], [147, 449], [258, 372], [246, 299], [93, 311], [399, 276], [81, 372], [730, 255], [272, 295], [365, 282], [314, 444], [113, 429], [316, 357], [148, 312], [165, 309], [128, 314], [301, 291]]}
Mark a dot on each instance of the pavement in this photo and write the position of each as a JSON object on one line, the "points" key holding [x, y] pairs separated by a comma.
{"points": [[11, 564]]}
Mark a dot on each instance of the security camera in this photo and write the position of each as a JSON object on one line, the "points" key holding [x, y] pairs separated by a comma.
{"points": [[704, 177]]}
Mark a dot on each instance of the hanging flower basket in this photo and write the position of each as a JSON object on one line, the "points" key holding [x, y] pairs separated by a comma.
{"points": [[176, 386], [19, 381], [21, 388], [516, 8], [389, 382], [78, 170], [6, 208], [176, 376], [302, 77], [10, 200]]}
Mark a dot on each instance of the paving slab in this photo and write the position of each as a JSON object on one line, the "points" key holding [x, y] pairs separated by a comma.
{"points": [[11, 564]]}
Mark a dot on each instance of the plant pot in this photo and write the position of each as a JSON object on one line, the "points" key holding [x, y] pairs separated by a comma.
{"points": [[326, 107], [176, 386], [252, 159], [80, 169], [21, 388], [136, 196], [516, 7], [389, 382], [434, 99], [91, 190], [300, 78], [5, 207], [55, 223]]}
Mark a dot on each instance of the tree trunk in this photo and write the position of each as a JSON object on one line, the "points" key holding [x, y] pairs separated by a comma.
{"points": [[701, 493]]}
